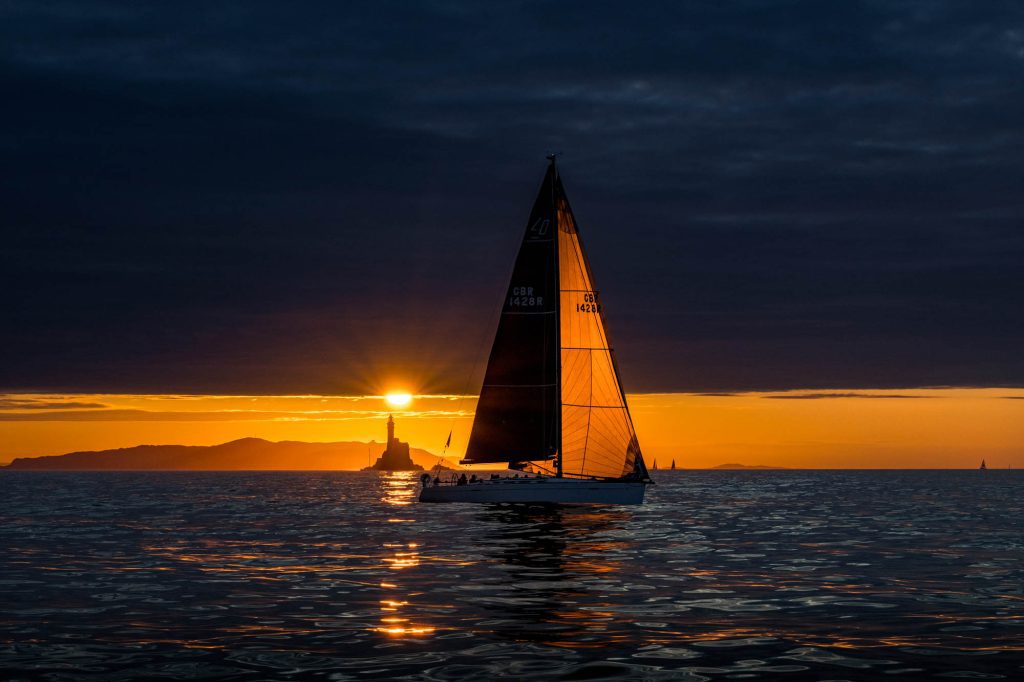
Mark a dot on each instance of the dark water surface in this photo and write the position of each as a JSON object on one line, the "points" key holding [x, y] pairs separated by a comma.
{"points": [[721, 575]]}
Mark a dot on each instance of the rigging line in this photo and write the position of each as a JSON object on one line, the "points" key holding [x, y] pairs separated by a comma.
{"points": [[606, 441], [606, 387], [606, 454], [602, 444], [605, 458], [575, 372], [586, 439], [556, 254], [583, 269]]}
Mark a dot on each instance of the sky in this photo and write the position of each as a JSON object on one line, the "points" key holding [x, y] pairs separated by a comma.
{"points": [[253, 197], [326, 198]]}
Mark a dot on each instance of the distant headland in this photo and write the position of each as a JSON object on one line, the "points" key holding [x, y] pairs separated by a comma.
{"points": [[246, 454]]}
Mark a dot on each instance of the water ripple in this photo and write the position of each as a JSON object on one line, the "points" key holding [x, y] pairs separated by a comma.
{"points": [[722, 575]]}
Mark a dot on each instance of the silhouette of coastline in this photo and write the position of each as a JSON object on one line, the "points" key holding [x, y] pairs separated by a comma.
{"points": [[246, 454]]}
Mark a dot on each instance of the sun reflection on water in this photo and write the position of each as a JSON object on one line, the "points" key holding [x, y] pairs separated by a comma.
{"points": [[398, 489], [392, 621], [314, 572]]}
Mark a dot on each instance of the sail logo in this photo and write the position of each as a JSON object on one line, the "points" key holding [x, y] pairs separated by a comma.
{"points": [[523, 297], [539, 229]]}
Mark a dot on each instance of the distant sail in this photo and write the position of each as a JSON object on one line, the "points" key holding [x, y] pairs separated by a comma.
{"points": [[673, 464], [983, 465]]}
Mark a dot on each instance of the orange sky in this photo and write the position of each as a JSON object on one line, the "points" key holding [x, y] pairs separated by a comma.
{"points": [[909, 428]]}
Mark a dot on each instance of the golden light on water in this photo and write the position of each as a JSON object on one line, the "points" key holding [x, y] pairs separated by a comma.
{"points": [[405, 630], [399, 490], [398, 399]]}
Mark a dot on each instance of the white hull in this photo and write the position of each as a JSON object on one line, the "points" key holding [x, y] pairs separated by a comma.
{"points": [[537, 491]]}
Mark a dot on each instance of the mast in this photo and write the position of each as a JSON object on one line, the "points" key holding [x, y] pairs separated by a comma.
{"points": [[558, 316]]}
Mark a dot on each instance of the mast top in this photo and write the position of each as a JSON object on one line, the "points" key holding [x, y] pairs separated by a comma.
{"points": [[552, 156]]}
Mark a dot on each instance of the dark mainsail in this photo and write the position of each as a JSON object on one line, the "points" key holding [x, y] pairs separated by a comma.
{"points": [[517, 414]]}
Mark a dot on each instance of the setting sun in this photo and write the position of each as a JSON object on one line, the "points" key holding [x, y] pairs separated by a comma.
{"points": [[398, 399]]}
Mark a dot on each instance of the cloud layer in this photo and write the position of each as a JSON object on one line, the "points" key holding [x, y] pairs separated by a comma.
{"points": [[250, 197]]}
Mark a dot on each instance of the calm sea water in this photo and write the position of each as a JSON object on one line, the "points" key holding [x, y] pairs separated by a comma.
{"points": [[721, 575]]}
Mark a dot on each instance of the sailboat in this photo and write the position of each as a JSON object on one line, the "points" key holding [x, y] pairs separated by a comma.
{"points": [[654, 466], [551, 406], [673, 465], [983, 467]]}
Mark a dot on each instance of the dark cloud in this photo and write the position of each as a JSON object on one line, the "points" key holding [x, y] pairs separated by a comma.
{"points": [[258, 198], [33, 404], [130, 415], [825, 396]]}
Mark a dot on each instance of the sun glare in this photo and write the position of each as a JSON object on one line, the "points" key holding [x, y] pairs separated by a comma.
{"points": [[398, 399]]}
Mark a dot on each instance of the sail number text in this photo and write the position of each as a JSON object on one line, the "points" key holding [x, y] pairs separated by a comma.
{"points": [[589, 304], [523, 297]]}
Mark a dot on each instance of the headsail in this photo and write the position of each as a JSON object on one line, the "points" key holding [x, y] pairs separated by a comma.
{"points": [[598, 438], [516, 416]]}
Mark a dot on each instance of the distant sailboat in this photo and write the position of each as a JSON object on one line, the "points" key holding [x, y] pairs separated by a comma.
{"points": [[551, 404], [654, 466], [673, 465], [983, 467]]}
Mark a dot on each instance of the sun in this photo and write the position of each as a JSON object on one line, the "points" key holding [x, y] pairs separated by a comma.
{"points": [[398, 399]]}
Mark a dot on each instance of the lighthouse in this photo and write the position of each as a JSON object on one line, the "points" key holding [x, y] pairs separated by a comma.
{"points": [[396, 455]]}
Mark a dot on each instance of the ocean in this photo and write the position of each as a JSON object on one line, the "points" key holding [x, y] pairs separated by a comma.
{"points": [[795, 575]]}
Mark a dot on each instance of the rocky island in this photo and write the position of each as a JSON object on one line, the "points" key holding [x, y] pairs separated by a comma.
{"points": [[396, 455]]}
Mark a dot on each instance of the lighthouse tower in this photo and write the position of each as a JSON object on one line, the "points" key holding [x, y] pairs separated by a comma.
{"points": [[396, 456]]}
